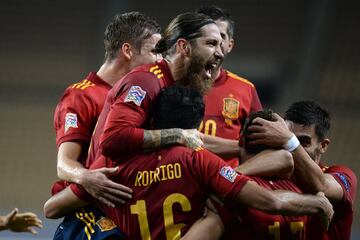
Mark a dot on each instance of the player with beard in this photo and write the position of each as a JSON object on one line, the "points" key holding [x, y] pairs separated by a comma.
{"points": [[191, 49], [170, 184], [230, 100], [310, 125]]}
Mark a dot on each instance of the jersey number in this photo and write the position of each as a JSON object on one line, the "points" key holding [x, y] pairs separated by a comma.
{"points": [[209, 129], [173, 231], [295, 228]]}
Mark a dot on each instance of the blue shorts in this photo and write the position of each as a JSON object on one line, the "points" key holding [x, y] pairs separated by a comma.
{"points": [[87, 224]]}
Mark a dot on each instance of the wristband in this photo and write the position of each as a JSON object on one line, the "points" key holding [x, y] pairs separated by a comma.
{"points": [[291, 144]]}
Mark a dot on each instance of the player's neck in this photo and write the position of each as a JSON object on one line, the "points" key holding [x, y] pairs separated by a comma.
{"points": [[112, 71], [177, 67]]}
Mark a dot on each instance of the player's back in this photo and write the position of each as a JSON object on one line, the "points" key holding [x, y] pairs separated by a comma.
{"points": [[254, 224], [167, 197]]}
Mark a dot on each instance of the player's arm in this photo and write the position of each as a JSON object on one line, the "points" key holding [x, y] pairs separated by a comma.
{"points": [[308, 174], [154, 139], [268, 163], [95, 181], [62, 203], [20, 222], [209, 227], [224, 148], [285, 202]]}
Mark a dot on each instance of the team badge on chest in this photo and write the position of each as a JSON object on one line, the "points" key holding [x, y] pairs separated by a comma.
{"points": [[230, 108], [106, 224]]}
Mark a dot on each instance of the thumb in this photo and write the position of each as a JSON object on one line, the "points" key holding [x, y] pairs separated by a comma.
{"points": [[109, 171], [12, 214]]}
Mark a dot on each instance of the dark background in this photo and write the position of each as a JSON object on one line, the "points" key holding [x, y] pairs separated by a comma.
{"points": [[291, 50]]}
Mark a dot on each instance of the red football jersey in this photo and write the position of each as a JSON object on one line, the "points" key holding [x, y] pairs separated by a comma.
{"points": [[227, 105], [254, 224], [340, 227], [119, 131], [170, 187], [77, 112]]}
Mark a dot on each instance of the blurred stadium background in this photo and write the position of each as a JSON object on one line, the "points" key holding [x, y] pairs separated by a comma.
{"points": [[291, 50]]}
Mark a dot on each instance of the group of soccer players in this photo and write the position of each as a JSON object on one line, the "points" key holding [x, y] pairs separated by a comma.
{"points": [[158, 136]]}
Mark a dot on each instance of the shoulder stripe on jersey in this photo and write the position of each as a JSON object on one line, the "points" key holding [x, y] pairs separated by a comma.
{"points": [[156, 71], [239, 78], [83, 84]]}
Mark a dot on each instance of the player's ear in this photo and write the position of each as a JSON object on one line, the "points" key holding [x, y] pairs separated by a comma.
{"points": [[183, 46], [126, 51], [324, 145], [231, 44]]}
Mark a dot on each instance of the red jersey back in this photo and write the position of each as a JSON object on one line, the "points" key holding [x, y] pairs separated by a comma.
{"points": [[77, 112], [227, 105], [169, 190], [254, 224], [340, 227], [126, 112]]}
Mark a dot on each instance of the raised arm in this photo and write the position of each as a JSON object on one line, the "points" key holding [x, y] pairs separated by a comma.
{"points": [[307, 172], [224, 148], [268, 163]]}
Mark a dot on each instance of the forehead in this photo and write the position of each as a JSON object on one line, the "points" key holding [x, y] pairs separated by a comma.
{"points": [[211, 31], [223, 26], [302, 130]]}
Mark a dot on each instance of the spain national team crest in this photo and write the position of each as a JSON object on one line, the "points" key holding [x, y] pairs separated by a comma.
{"points": [[230, 108], [105, 224], [70, 121]]}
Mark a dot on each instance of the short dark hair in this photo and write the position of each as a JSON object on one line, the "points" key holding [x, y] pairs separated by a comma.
{"points": [[309, 113], [217, 13], [266, 114], [132, 27], [178, 107], [185, 25]]}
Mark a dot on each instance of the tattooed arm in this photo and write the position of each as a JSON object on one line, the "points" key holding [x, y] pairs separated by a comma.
{"points": [[167, 137]]}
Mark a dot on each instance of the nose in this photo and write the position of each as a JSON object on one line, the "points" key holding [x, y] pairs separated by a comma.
{"points": [[219, 52]]}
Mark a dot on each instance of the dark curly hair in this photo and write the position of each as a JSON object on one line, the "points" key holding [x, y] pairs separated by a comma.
{"points": [[178, 107]]}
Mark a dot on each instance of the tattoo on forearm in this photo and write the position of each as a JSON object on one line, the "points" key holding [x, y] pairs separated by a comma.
{"points": [[161, 138]]}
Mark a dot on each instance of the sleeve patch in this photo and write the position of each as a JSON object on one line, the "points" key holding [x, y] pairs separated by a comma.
{"points": [[70, 121], [344, 181], [135, 95], [228, 173]]}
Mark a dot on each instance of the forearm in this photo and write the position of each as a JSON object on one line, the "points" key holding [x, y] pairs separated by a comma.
{"points": [[62, 203], [298, 204], [154, 139], [68, 166], [225, 148], [121, 141], [268, 163], [308, 174]]}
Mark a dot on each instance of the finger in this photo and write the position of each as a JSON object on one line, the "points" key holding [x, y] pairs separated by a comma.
{"points": [[105, 201], [210, 206], [256, 135], [114, 199], [108, 171], [31, 230], [27, 215], [259, 121], [117, 193], [256, 128], [110, 185], [35, 223], [276, 116], [12, 214]]}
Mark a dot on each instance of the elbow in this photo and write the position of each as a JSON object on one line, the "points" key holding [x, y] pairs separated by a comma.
{"points": [[50, 211]]}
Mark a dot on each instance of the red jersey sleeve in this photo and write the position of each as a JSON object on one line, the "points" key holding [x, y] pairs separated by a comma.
{"points": [[73, 117], [348, 181], [255, 102], [124, 126], [219, 176]]}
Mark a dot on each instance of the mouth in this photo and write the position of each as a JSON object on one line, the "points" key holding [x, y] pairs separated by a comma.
{"points": [[209, 69]]}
